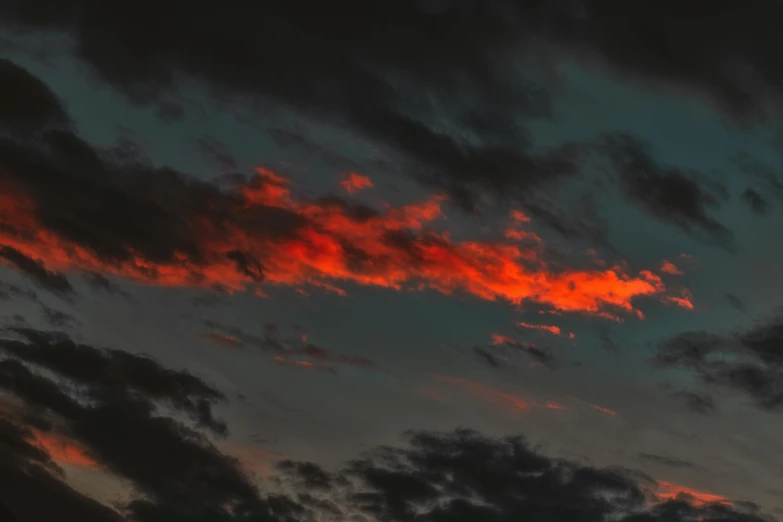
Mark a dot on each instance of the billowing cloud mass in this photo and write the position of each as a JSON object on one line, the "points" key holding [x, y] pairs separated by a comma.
{"points": [[105, 410], [158, 226]]}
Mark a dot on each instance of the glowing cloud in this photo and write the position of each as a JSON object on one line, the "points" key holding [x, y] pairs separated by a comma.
{"points": [[554, 330], [487, 393], [331, 242], [301, 364], [669, 491], [355, 182], [670, 268], [62, 451]]}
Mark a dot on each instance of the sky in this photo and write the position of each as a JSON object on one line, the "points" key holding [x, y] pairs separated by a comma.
{"points": [[423, 260]]}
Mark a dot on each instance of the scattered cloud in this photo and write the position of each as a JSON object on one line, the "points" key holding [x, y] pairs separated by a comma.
{"points": [[670, 268], [747, 362], [508, 402], [353, 182], [554, 330], [662, 460], [677, 196]]}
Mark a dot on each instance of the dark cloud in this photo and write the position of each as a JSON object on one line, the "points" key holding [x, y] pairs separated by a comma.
{"points": [[440, 85], [755, 201], [700, 403], [488, 357], [217, 154], [109, 402], [31, 485], [462, 475], [543, 356], [26, 103], [666, 461], [677, 196], [735, 302], [112, 202], [370, 73], [57, 318], [278, 344], [35, 270], [748, 362]]}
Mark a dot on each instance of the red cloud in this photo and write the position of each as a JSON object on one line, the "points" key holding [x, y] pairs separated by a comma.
{"points": [[669, 491], [224, 339], [554, 330], [670, 268], [63, 451], [487, 393], [355, 182], [395, 248]]}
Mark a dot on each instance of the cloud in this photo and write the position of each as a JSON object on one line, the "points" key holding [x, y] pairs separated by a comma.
{"points": [[295, 350], [103, 409], [490, 358], [108, 404], [667, 491], [540, 356], [755, 201], [468, 139], [666, 461], [353, 182], [700, 403], [510, 403], [217, 154], [735, 302], [747, 362], [463, 475], [220, 338], [159, 226], [668, 193], [554, 330], [667, 267], [36, 270]]}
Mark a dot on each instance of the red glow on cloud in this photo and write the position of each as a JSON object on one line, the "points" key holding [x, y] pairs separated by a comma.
{"points": [[519, 216], [554, 330], [397, 246], [670, 268], [552, 405], [353, 182], [302, 364], [502, 339], [669, 491], [63, 451], [487, 393], [224, 339], [602, 409]]}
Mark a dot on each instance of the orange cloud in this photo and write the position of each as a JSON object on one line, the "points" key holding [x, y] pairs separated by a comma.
{"points": [[393, 248], [355, 182], [554, 330], [552, 405], [487, 393], [63, 451], [669, 491], [670, 268], [224, 339], [595, 407], [302, 364], [683, 300], [602, 409], [519, 216]]}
